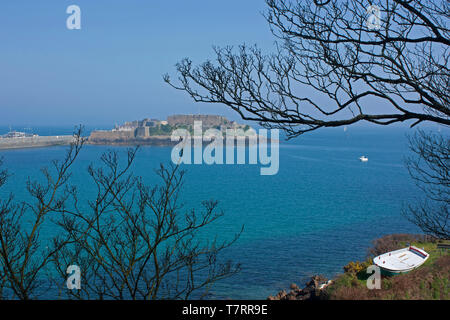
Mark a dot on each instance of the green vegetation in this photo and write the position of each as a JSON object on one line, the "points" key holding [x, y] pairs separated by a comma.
{"points": [[430, 281], [160, 130]]}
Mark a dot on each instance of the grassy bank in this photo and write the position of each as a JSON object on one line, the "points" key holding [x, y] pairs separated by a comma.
{"points": [[430, 281]]}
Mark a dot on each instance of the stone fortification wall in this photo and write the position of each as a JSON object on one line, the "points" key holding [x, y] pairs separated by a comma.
{"points": [[110, 136]]}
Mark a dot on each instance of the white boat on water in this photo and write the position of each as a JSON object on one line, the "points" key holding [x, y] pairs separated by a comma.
{"points": [[363, 159], [401, 261]]}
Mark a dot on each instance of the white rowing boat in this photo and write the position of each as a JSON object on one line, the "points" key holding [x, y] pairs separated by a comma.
{"points": [[402, 260]]}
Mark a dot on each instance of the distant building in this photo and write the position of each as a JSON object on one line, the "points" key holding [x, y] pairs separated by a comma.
{"points": [[150, 123], [124, 128], [18, 134], [207, 120]]}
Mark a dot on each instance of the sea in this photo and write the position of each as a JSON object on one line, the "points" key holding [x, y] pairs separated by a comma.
{"points": [[321, 210]]}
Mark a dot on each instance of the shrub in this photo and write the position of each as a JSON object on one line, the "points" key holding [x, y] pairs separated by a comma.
{"points": [[396, 241], [356, 267]]}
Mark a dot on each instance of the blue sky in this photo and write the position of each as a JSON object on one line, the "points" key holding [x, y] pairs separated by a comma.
{"points": [[111, 70]]}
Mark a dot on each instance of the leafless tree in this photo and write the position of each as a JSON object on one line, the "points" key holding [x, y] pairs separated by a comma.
{"points": [[332, 69], [430, 167], [24, 255], [130, 241], [3, 178], [137, 242]]}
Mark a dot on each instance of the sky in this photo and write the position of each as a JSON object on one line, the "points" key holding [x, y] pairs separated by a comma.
{"points": [[111, 70]]}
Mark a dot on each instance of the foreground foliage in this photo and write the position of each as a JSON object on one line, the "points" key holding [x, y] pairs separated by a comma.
{"points": [[430, 281]]}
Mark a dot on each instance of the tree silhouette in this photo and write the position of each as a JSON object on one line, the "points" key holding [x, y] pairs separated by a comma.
{"points": [[130, 241], [333, 69], [429, 166]]}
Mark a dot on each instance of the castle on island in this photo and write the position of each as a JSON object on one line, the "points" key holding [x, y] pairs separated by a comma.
{"points": [[155, 130]]}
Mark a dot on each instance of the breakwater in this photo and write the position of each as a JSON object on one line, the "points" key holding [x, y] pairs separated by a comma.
{"points": [[34, 142]]}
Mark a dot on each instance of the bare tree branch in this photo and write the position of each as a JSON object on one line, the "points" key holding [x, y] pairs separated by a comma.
{"points": [[23, 255], [136, 242], [429, 166], [331, 70]]}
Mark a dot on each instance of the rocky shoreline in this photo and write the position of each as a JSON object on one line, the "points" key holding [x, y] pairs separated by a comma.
{"points": [[160, 141], [166, 141], [313, 290], [50, 141]]}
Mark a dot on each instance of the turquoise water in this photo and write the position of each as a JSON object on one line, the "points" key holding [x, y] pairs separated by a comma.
{"points": [[319, 212]]}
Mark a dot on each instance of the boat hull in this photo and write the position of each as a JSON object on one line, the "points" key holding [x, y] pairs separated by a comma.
{"points": [[400, 261], [390, 273]]}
